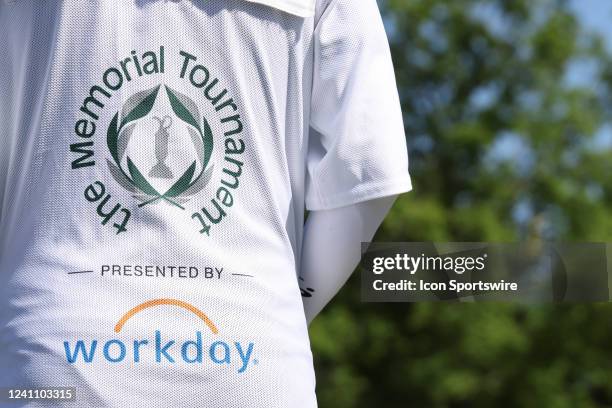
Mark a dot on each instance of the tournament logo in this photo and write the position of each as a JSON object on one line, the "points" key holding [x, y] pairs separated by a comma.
{"points": [[158, 146], [132, 179]]}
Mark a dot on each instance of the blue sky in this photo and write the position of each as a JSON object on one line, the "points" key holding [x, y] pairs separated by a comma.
{"points": [[596, 15]]}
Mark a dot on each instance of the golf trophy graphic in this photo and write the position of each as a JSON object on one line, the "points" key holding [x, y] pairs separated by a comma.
{"points": [[181, 187], [161, 170]]}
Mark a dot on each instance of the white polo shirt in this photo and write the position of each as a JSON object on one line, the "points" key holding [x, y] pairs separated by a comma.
{"points": [[156, 159]]}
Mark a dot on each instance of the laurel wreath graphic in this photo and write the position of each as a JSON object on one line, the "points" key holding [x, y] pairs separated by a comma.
{"points": [[121, 129]]}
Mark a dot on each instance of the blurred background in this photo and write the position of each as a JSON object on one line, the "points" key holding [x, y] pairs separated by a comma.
{"points": [[507, 108]]}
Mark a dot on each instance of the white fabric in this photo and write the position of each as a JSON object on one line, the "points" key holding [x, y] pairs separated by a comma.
{"points": [[358, 149], [106, 165], [302, 8]]}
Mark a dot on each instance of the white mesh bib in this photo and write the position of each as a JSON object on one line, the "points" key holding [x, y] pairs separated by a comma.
{"points": [[156, 159]]}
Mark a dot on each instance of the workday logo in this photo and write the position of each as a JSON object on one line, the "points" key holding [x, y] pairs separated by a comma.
{"points": [[161, 349]]}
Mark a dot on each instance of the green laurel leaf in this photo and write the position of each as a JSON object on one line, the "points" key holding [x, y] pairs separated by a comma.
{"points": [[183, 183], [120, 177], [208, 144], [142, 104], [139, 180], [180, 109], [186, 110], [124, 139], [198, 144], [199, 183], [112, 136]]}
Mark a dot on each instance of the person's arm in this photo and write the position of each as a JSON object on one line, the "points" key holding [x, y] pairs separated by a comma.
{"points": [[332, 249], [357, 152]]}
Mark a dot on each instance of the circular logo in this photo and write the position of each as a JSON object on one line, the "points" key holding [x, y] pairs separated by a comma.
{"points": [[158, 145], [138, 181]]}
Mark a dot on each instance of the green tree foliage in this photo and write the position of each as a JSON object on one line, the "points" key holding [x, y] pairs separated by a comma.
{"points": [[503, 147]]}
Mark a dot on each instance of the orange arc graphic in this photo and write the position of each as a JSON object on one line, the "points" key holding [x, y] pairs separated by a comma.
{"points": [[160, 302]]}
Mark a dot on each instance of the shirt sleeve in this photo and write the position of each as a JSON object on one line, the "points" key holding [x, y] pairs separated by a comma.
{"points": [[357, 145]]}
